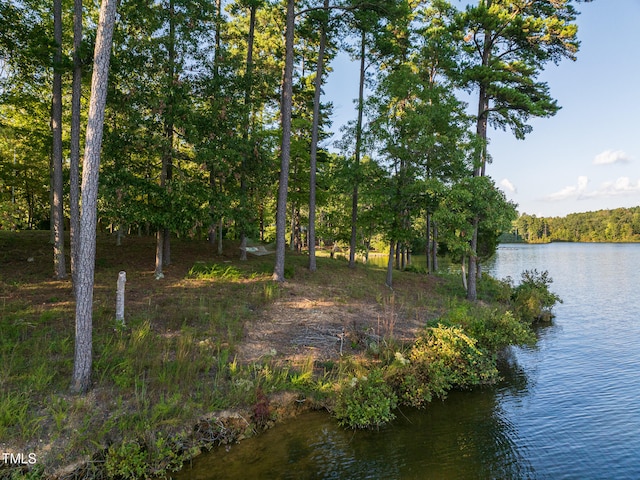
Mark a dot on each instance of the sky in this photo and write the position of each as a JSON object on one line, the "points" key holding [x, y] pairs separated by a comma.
{"points": [[587, 156]]}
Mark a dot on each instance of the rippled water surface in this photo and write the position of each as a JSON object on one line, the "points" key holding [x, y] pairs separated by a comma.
{"points": [[568, 408]]}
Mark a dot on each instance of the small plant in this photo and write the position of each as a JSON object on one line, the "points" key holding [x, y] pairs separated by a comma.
{"points": [[532, 299], [261, 411], [127, 461], [366, 402], [271, 291], [203, 271]]}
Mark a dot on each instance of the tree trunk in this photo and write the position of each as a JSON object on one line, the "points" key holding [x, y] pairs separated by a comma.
{"points": [[463, 268], [164, 235], [74, 153], [472, 293], [356, 159], [158, 273], [479, 169], [81, 379], [434, 249], [120, 287], [389, 280], [59, 262], [429, 244], [245, 134], [311, 239], [285, 150], [216, 59]]}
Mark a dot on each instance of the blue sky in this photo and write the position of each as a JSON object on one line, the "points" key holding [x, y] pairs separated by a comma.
{"points": [[586, 157]]}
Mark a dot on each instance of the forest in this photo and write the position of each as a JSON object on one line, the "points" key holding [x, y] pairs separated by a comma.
{"points": [[214, 123], [617, 225]]}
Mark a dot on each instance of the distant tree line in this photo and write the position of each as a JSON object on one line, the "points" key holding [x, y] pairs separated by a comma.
{"points": [[618, 225]]}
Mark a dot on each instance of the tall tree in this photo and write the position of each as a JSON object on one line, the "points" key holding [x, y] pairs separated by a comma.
{"points": [[314, 139], [507, 43], [245, 131], [163, 235], [285, 148], [358, 150], [74, 153], [81, 380], [57, 207]]}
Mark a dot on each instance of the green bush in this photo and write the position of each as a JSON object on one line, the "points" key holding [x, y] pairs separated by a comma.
{"points": [[444, 357], [366, 402], [127, 460], [492, 289], [493, 328], [532, 300]]}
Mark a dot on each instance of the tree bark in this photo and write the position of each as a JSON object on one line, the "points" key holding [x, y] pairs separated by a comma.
{"points": [[356, 155], [389, 279], [163, 237], [59, 262], [245, 133], [429, 244], [479, 168], [434, 250], [311, 239], [81, 379], [285, 149], [74, 153]]}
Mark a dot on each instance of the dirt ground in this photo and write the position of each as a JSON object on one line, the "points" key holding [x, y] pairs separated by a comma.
{"points": [[311, 322]]}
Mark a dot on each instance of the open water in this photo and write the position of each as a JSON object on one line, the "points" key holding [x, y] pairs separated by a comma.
{"points": [[568, 408]]}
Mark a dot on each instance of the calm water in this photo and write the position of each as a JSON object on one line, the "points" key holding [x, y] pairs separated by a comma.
{"points": [[568, 408]]}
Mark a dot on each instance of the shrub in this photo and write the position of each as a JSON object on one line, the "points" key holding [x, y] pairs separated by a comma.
{"points": [[495, 329], [532, 300], [127, 460], [444, 357], [366, 402]]}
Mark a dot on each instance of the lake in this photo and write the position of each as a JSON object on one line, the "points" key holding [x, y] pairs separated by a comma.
{"points": [[567, 408]]}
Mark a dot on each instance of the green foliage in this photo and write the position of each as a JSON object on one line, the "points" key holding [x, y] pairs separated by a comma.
{"points": [[366, 401], [492, 328], [617, 225], [532, 299], [446, 357], [202, 270], [506, 49], [127, 461], [470, 198]]}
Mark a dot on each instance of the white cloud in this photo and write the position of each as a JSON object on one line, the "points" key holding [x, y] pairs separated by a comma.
{"points": [[572, 191], [508, 185], [622, 186], [609, 157]]}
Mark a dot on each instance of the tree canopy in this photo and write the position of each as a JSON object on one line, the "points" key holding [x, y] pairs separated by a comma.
{"points": [[203, 107]]}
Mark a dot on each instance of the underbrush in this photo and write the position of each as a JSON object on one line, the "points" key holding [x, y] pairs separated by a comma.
{"points": [[173, 362], [458, 350]]}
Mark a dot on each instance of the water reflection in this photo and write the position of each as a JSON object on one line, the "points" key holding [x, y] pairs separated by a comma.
{"points": [[465, 437]]}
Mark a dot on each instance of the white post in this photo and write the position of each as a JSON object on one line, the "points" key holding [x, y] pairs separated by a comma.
{"points": [[122, 279]]}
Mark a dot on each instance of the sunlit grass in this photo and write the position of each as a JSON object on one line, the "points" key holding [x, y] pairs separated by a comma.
{"points": [[174, 360]]}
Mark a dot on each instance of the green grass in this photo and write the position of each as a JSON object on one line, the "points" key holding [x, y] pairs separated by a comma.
{"points": [[174, 360]]}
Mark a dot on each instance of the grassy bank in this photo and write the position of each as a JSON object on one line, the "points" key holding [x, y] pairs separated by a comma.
{"points": [[171, 382]]}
